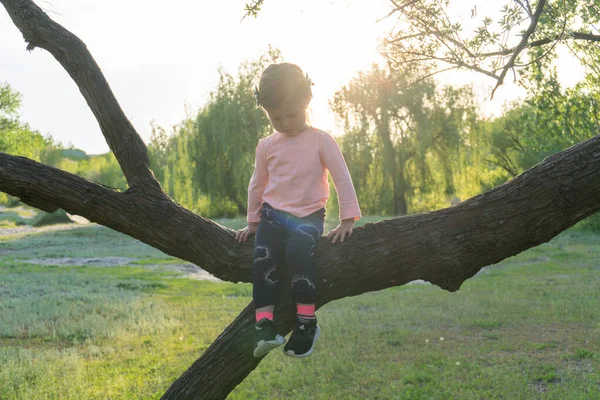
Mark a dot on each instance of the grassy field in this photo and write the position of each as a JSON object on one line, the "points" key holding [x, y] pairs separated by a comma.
{"points": [[528, 328]]}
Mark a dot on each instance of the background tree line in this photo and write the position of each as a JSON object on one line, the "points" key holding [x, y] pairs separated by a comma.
{"points": [[16, 137], [409, 147]]}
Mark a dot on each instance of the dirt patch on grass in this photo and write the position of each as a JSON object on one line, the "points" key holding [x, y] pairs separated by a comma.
{"points": [[540, 386], [189, 270], [93, 262], [29, 230]]}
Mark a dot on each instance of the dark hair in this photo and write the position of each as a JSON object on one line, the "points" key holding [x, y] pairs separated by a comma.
{"points": [[283, 81]]}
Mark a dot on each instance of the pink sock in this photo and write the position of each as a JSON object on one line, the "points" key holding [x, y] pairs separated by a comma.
{"points": [[306, 311], [264, 314]]}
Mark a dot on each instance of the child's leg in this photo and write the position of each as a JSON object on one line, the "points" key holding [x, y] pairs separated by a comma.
{"points": [[268, 257], [300, 257]]}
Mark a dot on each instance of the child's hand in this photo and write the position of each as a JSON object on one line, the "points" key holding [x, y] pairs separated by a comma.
{"points": [[343, 229], [243, 234]]}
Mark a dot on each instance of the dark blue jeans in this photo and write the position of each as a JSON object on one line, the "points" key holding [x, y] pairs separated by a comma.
{"points": [[284, 239]]}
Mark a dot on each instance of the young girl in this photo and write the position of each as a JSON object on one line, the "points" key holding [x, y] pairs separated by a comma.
{"points": [[286, 206]]}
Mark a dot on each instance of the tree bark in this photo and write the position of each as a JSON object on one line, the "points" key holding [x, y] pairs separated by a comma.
{"points": [[445, 247], [41, 31], [147, 215]]}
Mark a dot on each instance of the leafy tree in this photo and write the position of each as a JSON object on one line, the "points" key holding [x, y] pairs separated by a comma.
{"points": [[102, 168], [208, 161], [158, 151], [16, 137], [430, 37], [400, 137], [551, 119]]}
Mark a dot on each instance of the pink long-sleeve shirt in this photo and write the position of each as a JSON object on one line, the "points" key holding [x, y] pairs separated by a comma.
{"points": [[290, 174]]}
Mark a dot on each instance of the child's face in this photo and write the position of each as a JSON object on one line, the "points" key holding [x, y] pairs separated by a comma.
{"points": [[289, 118]]}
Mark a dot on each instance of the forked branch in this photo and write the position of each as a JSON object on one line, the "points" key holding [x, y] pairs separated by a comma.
{"points": [[39, 30]]}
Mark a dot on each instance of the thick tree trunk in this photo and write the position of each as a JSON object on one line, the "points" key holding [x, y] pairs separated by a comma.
{"points": [[40, 31], [445, 247], [390, 161], [400, 190]]}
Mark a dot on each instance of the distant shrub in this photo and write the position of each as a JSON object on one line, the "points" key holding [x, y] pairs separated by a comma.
{"points": [[13, 202], [11, 217], [44, 218], [590, 224], [215, 208]]}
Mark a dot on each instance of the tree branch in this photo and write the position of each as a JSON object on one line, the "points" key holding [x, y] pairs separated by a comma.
{"points": [[536, 43], [458, 52], [507, 52], [590, 37], [502, 165], [525, 8], [152, 218], [457, 62], [444, 247], [253, 8], [41, 31], [429, 75], [534, 21]]}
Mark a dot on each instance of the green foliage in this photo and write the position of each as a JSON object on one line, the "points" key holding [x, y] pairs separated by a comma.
{"points": [[158, 151], [103, 168], [12, 201], [16, 137], [549, 120], [43, 218], [435, 37], [590, 224], [10, 102], [212, 206], [253, 8], [11, 218], [405, 145], [428, 148]]}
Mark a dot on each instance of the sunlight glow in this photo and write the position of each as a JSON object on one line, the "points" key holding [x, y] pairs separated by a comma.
{"points": [[162, 58]]}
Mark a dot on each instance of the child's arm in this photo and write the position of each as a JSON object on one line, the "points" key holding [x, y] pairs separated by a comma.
{"points": [[349, 210], [256, 187]]}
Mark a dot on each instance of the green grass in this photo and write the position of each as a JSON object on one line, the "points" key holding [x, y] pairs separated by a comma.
{"points": [[87, 241], [528, 328]]}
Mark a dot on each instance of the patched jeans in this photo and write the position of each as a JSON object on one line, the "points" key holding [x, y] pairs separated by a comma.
{"points": [[284, 239]]}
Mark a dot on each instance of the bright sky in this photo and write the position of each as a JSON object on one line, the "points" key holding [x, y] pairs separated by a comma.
{"points": [[160, 57]]}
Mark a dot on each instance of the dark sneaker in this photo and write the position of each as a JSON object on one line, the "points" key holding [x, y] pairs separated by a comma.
{"points": [[266, 338], [303, 338]]}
